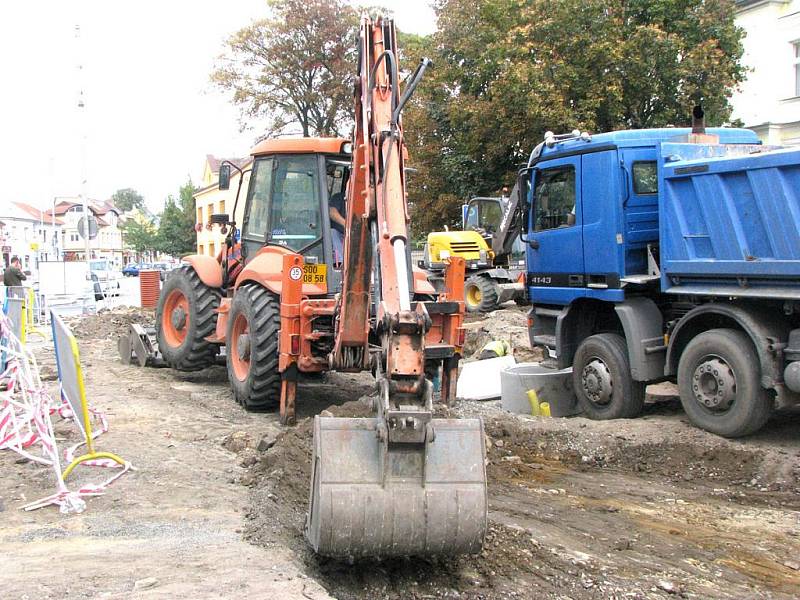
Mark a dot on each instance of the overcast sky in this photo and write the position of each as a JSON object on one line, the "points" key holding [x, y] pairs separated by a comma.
{"points": [[151, 114]]}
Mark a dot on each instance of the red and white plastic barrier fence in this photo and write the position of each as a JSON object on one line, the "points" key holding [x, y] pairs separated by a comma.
{"points": [[26, 427]]}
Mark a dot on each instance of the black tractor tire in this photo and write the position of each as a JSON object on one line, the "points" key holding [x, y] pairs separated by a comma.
{"points": [[601, 378], [709, 364], [480, 294], [258, 386], [194, 352]]}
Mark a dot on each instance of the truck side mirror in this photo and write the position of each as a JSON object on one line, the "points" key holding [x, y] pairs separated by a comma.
{"points": [[224, 177]]}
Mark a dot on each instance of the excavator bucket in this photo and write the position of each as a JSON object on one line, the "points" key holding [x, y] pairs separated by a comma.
{"points": [[373, 500]]}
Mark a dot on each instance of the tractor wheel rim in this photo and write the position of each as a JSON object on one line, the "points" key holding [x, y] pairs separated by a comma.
{"points": [[175, 318], [714, 384], [596, 381], [240, 347], [474, 296]]}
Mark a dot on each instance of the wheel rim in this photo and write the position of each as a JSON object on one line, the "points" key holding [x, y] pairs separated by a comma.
{"points": [[596, 382], [714, 384], [473, 295], [175, 318], [240, 347]]}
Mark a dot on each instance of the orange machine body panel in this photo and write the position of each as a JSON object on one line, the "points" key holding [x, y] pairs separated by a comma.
{"points": [[208, 269], [299, 145], [266, 269]]}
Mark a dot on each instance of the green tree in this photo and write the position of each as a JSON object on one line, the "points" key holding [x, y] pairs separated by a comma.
{"points": [[509, 70], [295, 67], [140, 235], [176, 234], [127, 199]]}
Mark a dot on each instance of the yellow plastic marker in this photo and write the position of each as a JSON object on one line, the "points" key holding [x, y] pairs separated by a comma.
{"points": [[544, 409], [534, 400], [91, 454], [27, 317]]}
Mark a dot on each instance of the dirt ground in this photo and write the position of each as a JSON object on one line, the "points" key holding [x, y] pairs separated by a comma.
{"points": [[646, 508]]}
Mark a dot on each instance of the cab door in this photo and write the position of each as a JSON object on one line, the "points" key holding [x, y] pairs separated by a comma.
{"points": [[556, 271]]}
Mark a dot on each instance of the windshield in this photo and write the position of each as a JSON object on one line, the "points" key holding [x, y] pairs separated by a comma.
{"points": [[483, 215], [98, 265], [284, 201]]}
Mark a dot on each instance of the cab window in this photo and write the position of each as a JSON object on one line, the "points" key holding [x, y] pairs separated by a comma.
{"points": [[484, 216], [255, 222], [645, 178], [294, 210], [554, 196]]}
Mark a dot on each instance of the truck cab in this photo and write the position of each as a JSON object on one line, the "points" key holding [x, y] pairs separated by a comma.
{"points": [[603, 214]]}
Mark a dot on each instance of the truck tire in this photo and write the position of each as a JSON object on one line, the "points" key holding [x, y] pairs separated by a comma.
{"points": [[719, 383], [480, 294], [186, 315], [601, 377], [252, 354]]}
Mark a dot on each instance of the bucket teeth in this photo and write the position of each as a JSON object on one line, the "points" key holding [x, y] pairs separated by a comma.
{"points": [[414, 500]]}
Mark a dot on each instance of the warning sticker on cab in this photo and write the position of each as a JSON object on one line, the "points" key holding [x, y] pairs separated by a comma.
{"points": [[316, 274]]}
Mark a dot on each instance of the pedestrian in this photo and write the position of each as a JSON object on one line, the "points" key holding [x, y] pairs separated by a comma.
{"points": [[13, 278]]}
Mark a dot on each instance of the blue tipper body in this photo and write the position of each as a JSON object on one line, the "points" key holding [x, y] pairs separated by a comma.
{"points": [[730, 220]]}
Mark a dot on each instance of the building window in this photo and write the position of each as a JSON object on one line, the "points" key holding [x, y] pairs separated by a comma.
{"points": [[222, 207], [796, 59], [200, 214], [210, 210], [212, 249], [200, 248]]}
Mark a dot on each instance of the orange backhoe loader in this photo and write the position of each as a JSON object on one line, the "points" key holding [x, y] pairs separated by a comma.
{"points": [[283, 300]]}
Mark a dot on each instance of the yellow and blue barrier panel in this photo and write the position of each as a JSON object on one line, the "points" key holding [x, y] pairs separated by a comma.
{"points": [[73, 390]]}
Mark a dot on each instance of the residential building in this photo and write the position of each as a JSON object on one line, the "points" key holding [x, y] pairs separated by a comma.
{"points": [[211, 200], [32, 234], [768, 102], [107, 243]]}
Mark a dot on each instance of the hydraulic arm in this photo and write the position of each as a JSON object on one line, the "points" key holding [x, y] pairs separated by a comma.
{"points": [[401, 483]]}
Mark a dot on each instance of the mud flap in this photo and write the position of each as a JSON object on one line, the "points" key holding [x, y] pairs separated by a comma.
{"points": [[412, 500]]}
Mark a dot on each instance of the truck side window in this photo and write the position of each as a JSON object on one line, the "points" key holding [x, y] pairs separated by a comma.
{"points": [[554, 198], [645, 178]]}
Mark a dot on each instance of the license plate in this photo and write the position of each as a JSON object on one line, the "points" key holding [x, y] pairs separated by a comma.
{"points": [[316, 274]]}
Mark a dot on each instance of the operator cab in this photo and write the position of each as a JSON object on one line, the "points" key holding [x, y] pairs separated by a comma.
{"points": [[287, 202], [483, 215]]}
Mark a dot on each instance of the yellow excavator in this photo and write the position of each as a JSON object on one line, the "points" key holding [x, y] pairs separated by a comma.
{"points": [[490, 246]]}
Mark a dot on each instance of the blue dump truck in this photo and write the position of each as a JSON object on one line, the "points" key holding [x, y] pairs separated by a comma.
{"points": [[667, 255]]}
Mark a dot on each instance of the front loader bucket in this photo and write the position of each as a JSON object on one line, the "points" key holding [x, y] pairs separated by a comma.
{"points": [[414, 500]]}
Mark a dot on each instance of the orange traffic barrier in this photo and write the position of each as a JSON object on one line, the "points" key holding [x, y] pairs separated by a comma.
{"points": [[149, 288]]}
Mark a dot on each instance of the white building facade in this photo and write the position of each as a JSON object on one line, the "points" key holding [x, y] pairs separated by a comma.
{"points": [[768, 102], [29, 233]]}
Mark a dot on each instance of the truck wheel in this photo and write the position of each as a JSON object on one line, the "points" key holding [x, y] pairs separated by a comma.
{"points": [[480, 294], [718, 378], [601, 377], [254, 323], [186, 315]]}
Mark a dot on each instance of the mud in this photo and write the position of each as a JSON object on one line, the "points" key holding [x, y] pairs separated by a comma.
{"points": [[110, 323], [644, 508]]}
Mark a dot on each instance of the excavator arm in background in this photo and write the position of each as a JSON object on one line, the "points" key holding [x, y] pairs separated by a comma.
{"points": [[401, 483]]}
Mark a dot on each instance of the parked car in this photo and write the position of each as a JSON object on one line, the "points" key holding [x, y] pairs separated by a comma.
{"points": [[164, 269], [131, 270]]}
